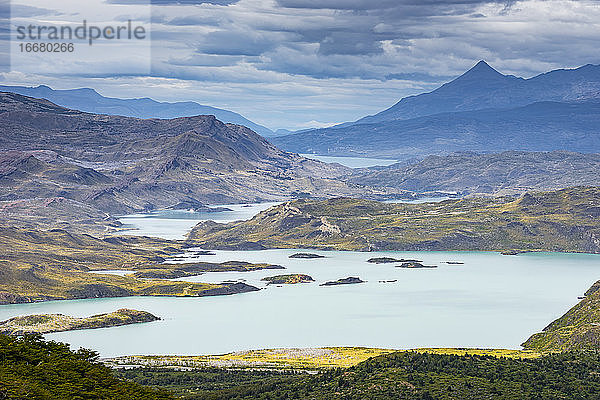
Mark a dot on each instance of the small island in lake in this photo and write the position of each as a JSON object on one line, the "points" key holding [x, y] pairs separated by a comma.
{"points": [[344, 281], [455, 263], [204, 253], [306, 255], [510, 253], [48, 323], [389, 260], [415, 265], [290, 279], [175, 271]]}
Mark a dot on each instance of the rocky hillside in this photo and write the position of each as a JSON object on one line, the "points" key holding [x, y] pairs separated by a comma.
{"points": [[578, 329], [88, 100], [564, 220], [505, 173], [483, 87], [120, 164]]}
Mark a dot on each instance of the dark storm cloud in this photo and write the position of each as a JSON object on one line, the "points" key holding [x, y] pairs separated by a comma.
{"points": [[287, 62], [352, 43], [237, 43], [368, 39]]}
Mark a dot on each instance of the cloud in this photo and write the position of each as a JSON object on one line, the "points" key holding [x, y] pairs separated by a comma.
{"points": [[240, 42], [20, 11], [286, 62], [422, 6], [173, 2], [353, 43]]}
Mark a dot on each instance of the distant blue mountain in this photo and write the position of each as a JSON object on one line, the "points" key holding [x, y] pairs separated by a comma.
{"points": [[482, 110], [88, 100], [543, 126], [483, 87]]}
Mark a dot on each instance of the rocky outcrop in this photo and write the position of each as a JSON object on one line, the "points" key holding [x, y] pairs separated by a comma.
{"points": [[578, 329], [48, 323], [415, 265], [98, 291], [306, 255], [389, 260], [344, 281], [229, 288], [290, 279]]}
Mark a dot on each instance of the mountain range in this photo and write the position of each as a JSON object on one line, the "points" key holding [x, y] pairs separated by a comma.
{"points": [[506, 173], [64, 165], [482, 110], [88, 100]]}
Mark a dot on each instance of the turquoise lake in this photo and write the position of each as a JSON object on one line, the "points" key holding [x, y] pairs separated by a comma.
{"points": [[490, 301], [352, 162]]}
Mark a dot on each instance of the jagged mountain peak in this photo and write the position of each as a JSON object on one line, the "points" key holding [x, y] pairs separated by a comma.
{"points": [[481, 68], [481, 73]]}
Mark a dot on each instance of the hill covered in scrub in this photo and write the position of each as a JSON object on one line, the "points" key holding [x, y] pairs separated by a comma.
{"points": [[88, 100], [578, 329], [32, 368], [47, 323], [57, 265], [507, 173], [563, 220]]}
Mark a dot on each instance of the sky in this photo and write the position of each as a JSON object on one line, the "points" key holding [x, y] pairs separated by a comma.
{"points": [[297, 64]]}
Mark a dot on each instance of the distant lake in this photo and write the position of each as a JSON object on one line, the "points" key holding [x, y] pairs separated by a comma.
{"points": [[491, 301], [420, 200], [352, 162], [175, 224]]}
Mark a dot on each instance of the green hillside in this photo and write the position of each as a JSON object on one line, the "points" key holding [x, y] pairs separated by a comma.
{"points": [[578, 329], [563, 220], [57, 265]]}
